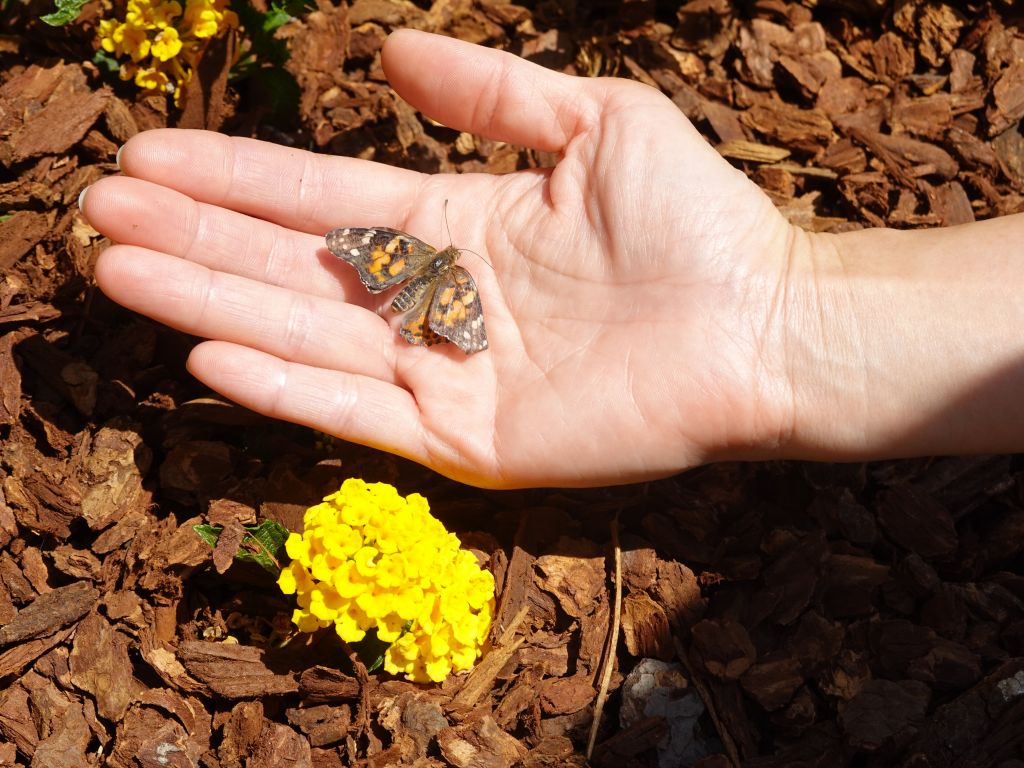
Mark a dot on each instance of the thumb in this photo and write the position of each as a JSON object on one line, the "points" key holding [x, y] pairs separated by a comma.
{"points": [[491, 93]]}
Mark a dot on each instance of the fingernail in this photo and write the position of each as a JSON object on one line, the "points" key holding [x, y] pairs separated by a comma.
{"points": [[81, 197], [117, 157]]}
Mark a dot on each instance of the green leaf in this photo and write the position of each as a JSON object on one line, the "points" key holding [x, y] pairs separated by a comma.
{"points": [[105, 61], [67, 11], [281, 13], [208, 533], [275, 17], [260, 544]]}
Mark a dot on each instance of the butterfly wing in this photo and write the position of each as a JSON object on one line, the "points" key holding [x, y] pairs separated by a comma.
{"points": [[415, 328], [455, 311], [383, 257]]}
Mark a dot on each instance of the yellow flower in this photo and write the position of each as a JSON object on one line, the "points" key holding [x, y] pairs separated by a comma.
{"points": [[163, 40], [305, 622], [369, 559], [152, 79], [391, 627], [347, 582], [365, 560], [137, 14], [205, 18], [165, 13], [107, 29], [166, 45], [297, 546], [131, 40]]}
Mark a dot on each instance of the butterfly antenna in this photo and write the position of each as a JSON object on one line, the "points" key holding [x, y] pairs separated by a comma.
{"points": [[485, 261], [444, 212], [451, 242]]}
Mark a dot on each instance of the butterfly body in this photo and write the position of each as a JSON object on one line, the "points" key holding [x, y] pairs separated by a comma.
{"points": [[440, 297]]}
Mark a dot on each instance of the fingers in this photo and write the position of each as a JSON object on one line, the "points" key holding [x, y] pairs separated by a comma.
{"points": [[460, 84], [305, 329], [493, 93], [135, 212], [297, 189], [346, 404]]}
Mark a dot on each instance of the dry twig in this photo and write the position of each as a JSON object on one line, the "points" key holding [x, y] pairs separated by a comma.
{"points": [[613, 640]]}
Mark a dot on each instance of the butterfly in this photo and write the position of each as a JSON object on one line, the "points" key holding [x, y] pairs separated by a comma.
{"points": [[440, 298]]}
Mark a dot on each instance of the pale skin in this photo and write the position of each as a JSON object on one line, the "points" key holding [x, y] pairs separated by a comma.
{"points": [[647, 307]]}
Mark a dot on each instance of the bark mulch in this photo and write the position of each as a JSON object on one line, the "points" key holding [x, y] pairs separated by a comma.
{"points": [[776, 614]]}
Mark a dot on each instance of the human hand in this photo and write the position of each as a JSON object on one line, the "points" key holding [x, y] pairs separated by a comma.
{"points": [[628, 293]]}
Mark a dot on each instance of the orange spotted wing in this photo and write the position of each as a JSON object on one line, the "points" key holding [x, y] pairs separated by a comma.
{"points": [[440, 299]]}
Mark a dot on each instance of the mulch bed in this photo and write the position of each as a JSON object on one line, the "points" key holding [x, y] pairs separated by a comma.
{"points": [[776, 614]]}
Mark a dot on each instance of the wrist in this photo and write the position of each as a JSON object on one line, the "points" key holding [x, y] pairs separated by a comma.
{"points": [[808, 382], [900, 343], [822, 352]]}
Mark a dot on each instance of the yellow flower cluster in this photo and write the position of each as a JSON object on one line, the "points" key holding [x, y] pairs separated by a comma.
{"points": [[163, 40], [370, 559]]}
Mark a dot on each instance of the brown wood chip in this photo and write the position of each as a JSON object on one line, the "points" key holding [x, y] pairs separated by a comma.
{"points": [[234, 671], [49, 612]]}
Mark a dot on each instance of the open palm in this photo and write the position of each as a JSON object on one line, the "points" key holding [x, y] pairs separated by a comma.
{"points": [[627, 292]]}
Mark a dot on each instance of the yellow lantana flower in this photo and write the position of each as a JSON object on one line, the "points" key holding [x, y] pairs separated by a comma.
{"points": [[167, 44], [130, 40], [205, 18], [152, 79], [165, 13], [370, 559], [163, 40]]}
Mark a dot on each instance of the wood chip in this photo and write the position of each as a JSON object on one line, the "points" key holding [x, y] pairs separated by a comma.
{"points": [[479, 744], [10, 381], [49, 612], [234, 671], [322, 685], [916, 521], [772, 682], [100, 665], [60, 106], [645, 628], [1008, 95], [111, 473], [20, 233], [577, 580], [805, 129], [752, 151], [724, 647], [884, 710], [906, 158]]}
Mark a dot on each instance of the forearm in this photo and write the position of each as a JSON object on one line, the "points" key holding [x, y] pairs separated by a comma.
{"points": [[907, 343]]}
